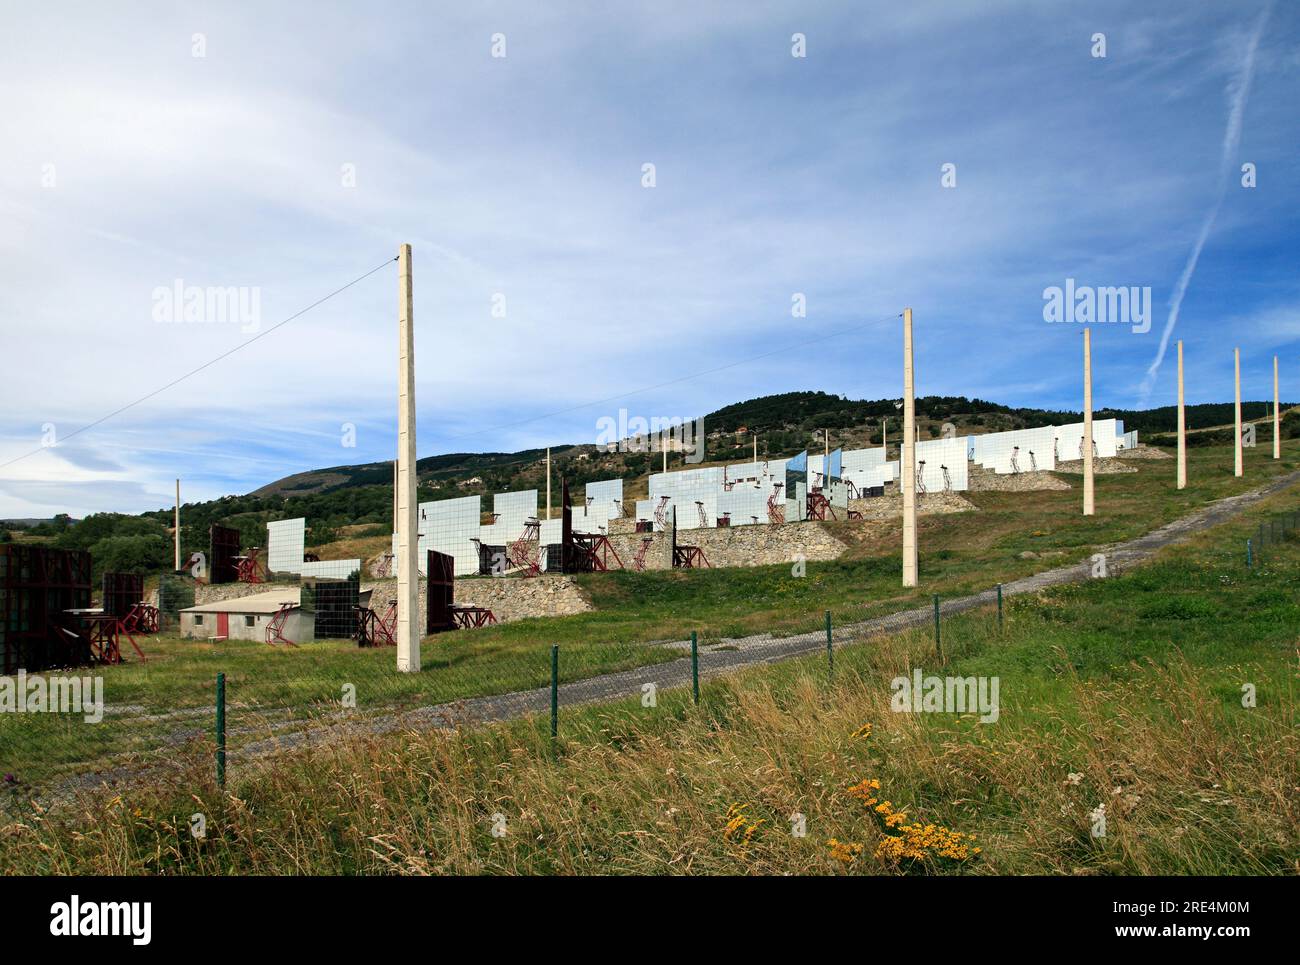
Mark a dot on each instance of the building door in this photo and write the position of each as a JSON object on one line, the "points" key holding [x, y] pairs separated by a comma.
{"points": [[223, 625]]}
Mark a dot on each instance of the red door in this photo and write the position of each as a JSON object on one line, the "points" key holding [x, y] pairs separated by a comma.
{"points": [[223, 625]]}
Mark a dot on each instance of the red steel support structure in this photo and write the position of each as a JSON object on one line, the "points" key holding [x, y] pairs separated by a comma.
{"points": [[660, 516], [526, 553], [374, 630], [686, 557], [141, 618], [775, 505], [248, 569], [472, 617], [819, 505], [592, 552], [638, 561], [275, 629]]}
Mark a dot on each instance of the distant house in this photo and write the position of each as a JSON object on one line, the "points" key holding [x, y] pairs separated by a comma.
{"points": [[247, 617]]}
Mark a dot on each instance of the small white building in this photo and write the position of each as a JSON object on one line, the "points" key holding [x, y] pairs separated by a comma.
{"points": [[247, 617]]}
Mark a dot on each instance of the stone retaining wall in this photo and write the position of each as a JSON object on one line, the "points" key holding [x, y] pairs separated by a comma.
{"points": [[508, 597]]}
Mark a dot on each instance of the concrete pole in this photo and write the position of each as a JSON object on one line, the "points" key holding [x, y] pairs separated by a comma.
{"points": [[1277, 419], [1237, 468], [755, 449], [408, 565], [663, 447], [394, 495], [1182, 424], [826, 461], [1089, 506], [548, 482], [908, 469], [178, 522], [884, 436]]}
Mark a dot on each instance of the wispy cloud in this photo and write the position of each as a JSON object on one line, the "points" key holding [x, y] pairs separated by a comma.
{"points": [[1239, 92]]}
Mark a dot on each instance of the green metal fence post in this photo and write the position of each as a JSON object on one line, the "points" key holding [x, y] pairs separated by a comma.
{"points": [[695, 667], [555, 690], [938, 640], [830, 647], [999, 606], [221, 730]]}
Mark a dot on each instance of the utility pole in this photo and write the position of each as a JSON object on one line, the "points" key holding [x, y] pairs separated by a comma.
{"points": [[394, 495], [755, 448], [177, 539], [884, 435], [908, 472], [1089, 507], [548, 482], [1277, 419], [1182, 424], [408, 566], [1237, 468]]}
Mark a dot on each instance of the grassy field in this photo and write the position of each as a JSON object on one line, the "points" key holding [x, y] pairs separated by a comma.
{"points": [[158, 708], [1127, 693]]}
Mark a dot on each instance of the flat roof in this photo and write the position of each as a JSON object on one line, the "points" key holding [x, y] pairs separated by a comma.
{"points": [[267, 602]]}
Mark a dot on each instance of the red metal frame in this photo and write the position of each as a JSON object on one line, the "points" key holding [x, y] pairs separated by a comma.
{"points": [[472, 617], [526, 552], [104, 634], [819, 505], [142, 618], [660, 516], [638, 561], [596, 550], [374, 630], [704, 517], [689, 557], [275, 629], [775, 505], [248, 569]]}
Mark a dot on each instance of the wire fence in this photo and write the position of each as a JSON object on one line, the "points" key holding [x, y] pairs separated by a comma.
{"points": [[200, 712]]}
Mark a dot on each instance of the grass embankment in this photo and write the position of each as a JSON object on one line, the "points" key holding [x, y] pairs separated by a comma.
{"points": [[1010, 536], [1127, 693]]}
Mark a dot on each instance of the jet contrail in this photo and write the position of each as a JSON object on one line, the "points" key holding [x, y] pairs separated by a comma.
{"points": [[1231, 138]]}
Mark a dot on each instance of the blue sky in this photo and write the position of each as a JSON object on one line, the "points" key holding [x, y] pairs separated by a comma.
{"points": [[309, 140]]}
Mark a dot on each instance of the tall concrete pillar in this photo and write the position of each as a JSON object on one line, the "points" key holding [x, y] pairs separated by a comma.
{"points": [[1089, 504], [548, 482], [177, 538], [1277, 418], [1182, 424], [408, 564], [907, 471], [1238, 468], [756, 448]]}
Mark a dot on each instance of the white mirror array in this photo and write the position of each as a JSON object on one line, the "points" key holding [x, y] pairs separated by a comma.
{"points": [[286, 542], [744, 492]]}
